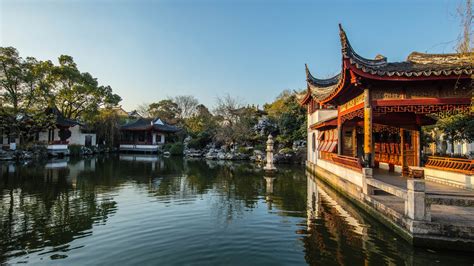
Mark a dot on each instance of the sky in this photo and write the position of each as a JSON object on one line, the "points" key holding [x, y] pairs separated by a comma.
{"points": [[252, 50]]}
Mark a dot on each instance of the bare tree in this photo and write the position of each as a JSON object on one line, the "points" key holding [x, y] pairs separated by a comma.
{"points": [[227, 108], [142, 110], [187, 105], [465, 41]]}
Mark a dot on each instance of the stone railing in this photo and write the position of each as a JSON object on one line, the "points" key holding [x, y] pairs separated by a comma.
{"points": [[137, 143], [465, 166], [450, 200], [59, 142], [347, 161], [416, 205]]}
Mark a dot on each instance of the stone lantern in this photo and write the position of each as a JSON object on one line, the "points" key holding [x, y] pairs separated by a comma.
{"points": [[269, 166]]}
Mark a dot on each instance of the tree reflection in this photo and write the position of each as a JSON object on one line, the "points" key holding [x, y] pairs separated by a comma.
{"points": [[39, 207]]}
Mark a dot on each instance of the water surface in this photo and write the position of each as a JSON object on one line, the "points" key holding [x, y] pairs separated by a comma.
{"points": [[148, 210]]}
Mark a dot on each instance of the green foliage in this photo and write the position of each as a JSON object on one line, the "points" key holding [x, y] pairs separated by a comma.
{"points": [[259, 147], [107, 127], [74, 150], [22, 94], [286, 150], [245, 150], [78, 95], [458, 127], [289, 116], [176, 149], [200, 141], [166, 110], [202, 125], [28, 87]]}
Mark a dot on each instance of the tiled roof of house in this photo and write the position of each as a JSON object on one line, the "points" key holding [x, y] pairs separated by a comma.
{"points": [[149, 124]]}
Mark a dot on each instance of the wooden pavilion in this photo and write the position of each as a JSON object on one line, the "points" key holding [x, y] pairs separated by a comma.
{"points": [[371, 113], [145, 135]]}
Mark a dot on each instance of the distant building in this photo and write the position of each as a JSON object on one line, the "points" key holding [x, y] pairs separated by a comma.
{"points": [[57, 139], [125, 116], [145, 135]]}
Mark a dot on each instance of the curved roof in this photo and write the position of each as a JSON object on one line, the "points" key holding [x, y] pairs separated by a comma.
{"points": [[148, 124], [322, 88], [416, 65]]}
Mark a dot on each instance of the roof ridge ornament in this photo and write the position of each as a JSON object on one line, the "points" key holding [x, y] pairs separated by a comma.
{"points": [[308, 74], [348, 52], [345, 45]]}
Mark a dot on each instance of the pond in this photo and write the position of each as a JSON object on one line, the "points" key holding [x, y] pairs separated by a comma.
{"points": [[140, 209]]}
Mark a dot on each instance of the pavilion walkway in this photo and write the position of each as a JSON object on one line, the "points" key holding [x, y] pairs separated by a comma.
{"points": [[396, 179], [459, 215]]}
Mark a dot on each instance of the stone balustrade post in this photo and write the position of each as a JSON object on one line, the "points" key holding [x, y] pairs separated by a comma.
{"points": [[367, 173], [415, 203]]}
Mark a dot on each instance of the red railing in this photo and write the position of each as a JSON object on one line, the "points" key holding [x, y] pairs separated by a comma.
{"points": [[326, 156], [465, 166], [345, 161]]}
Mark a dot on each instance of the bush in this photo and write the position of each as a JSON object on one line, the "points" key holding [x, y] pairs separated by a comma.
{"points": [[167, 147], [286, 150], [74, 150], [245, 150], [196, 144], [260, 147], [176, 149], [200, 141]]}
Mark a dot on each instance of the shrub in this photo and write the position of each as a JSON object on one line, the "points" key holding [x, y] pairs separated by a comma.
{"points": [[167, 147], [74, 150], [196, 144], [176, 149], [286, 150], [260, 147], [245, 150]]}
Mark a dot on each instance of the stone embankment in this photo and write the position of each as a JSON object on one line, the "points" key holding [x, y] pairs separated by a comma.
{"points": [[38, 152], [285, 155]]}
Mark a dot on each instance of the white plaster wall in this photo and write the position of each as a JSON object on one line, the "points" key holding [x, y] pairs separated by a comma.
{"points": [[321, 115], [158, 138], [79, 138], [318, 115], [325, 114], [312, 155], [5, 140], [43, 136], [345, 173]]}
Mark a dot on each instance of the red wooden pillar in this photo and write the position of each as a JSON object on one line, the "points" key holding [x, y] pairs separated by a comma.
{"points": [[368, 147], [416, 147], [403, 153], [354, 141], [339, 133]]}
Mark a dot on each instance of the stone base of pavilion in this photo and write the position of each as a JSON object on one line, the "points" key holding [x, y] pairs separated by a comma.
{"points": [[58, 149], [423, 212], [140, 148]]}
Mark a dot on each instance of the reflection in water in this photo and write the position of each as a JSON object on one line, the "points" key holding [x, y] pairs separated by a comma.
{"points": [[147, 209], [269, 190], [339, 233]]}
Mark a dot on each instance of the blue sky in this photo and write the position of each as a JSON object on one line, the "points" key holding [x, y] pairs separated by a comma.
{"points": [[149, 50]]}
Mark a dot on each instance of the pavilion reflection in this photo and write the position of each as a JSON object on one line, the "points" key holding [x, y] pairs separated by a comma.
{"points": [[338, 232]]}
